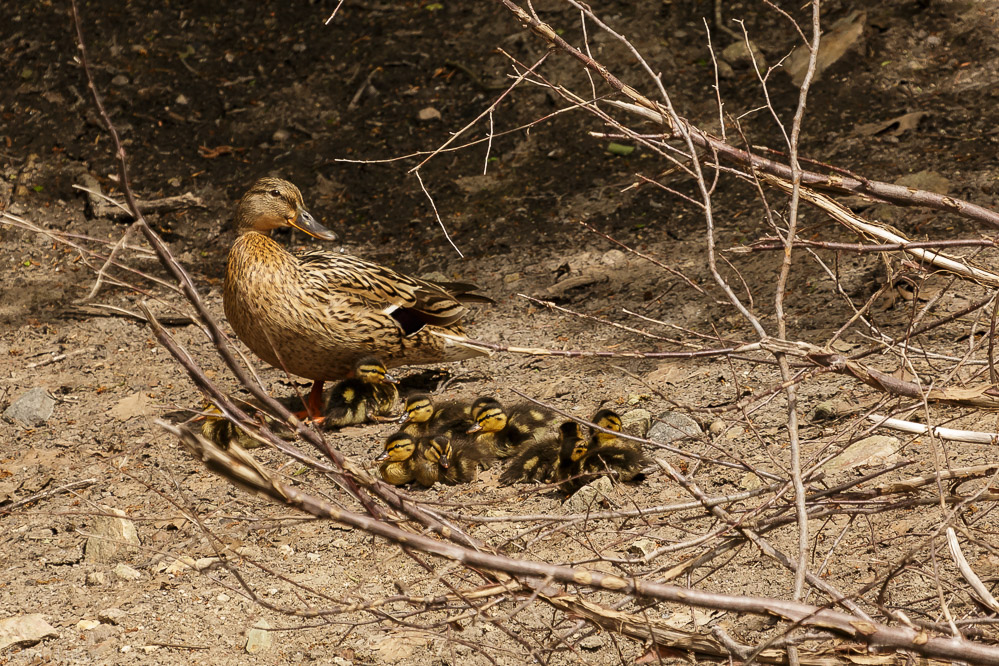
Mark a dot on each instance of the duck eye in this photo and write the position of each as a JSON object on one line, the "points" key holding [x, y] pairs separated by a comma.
{"points": [[275, 193]]}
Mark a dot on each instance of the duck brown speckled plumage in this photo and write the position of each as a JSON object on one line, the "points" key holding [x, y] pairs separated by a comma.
{"points": [[314, 314]]}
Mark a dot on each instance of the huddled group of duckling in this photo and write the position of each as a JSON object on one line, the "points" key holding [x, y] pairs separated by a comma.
{"points": [[450, 442]]}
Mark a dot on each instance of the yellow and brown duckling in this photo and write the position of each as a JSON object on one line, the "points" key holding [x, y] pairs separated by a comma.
{"points": [[222, 432], [595, 456], [464, 458], [609, 419], [509, 429], [370, 395], [546, 461], [313, 314], [406, 458], [424, 415]]}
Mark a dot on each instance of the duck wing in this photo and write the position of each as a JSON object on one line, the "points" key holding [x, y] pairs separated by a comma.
{"points": [[412, 302]]}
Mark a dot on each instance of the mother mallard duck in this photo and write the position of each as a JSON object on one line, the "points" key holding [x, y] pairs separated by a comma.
{"points": [[315, 313]]}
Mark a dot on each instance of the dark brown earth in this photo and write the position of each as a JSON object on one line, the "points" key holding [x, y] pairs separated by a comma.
{"points": [[209, 96]]}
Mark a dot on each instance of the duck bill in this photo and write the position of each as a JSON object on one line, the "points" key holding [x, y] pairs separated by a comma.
{"points": [[384, 456], [444, 462], [389, 379], [474, 428], [305, 222]]}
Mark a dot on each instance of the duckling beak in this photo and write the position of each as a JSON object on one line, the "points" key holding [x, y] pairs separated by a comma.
{"points": [[305, 222], [475, 428], [383, 456], [404, 417], [389, 379], [444, 461]]}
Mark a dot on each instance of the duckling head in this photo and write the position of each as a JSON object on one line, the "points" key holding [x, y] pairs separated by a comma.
{"points": [[489, 416], [572, 440], [372, 371], [481, 403], [609, 419], [440, 451], [419, 408], [272, 203], [398, 447]]}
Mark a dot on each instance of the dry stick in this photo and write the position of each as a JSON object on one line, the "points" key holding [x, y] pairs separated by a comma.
{"points": [[969, 574], [949, 434], [69, 487], [785, 270], [769, 244], [599, 320], [385, 492], [872, 633]]}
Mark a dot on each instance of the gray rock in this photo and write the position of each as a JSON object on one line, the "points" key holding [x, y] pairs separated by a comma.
{"points": [[588, 497], [96, 578], [258, 639], [428, 113], [125, 572], [592, 642], [31, 409], [112, 536], [737, 53], [868, 452], [24, 630], [636, 422], [111, 615], [673, 426]]}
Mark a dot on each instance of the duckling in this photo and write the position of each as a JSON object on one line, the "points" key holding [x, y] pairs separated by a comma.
{"points": [[590, 459], [313, 314], [525, 421], [369, 395], [492, 429], [424, 416], [544, 461], [222, 432], [408, 459], [606, 418], [463, 458]]}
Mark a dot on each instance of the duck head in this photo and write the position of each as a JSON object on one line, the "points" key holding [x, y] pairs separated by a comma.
{"points": [[273, 203]]}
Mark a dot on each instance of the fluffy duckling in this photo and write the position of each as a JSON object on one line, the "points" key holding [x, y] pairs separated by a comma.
{"points": [[222, 432], [424, 416], [463, 458], [406, 459], [369, 395], [544, 461], [493, 431], [526, 422], [609, 419], [589, 458]]}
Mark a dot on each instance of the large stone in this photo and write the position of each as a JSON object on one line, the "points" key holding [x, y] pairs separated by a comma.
{"points": [[587, 498], [868, 452], [24, 630], [258, 639], [636, 422], [112, 536], [32, 408], [673, 426]]}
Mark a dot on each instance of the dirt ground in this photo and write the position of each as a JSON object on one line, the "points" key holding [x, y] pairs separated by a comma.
{"points": [[209, 96]]}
